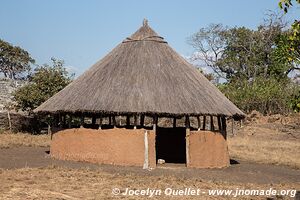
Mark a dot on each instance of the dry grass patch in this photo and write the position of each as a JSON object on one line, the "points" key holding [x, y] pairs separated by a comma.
{"points": [[64, 183], [8, 140], [265, 146]]}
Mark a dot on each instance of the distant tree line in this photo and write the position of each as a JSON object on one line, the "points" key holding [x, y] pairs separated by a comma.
{"points": [[260, 67], [14, 61], [43, 81]]}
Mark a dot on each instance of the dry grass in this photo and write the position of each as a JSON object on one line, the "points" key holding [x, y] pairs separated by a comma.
{"points": [[8, 140], [63, 183], [265, 145]]}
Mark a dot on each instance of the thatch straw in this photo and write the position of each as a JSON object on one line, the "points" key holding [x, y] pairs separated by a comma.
{"points": [[142, 75]]}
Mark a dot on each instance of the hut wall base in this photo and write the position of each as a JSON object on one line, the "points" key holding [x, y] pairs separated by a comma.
{"points": [[208, 150], [107, 146]]}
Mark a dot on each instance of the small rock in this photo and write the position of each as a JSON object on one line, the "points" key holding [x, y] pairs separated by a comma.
{"points": [[161, 161]]}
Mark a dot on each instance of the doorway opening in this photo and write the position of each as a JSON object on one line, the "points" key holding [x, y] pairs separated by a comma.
{"points": [[170, 145]]}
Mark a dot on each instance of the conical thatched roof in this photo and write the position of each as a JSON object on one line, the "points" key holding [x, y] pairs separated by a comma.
{"points": [[142, 75]]}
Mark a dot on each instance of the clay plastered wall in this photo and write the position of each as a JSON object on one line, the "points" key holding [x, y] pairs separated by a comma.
{"points": [[208, 150], [111, 146]]}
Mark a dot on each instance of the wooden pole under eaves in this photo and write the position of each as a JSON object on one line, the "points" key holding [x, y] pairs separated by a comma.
{"points": [[70, 121], [204, 123], [49, 131], [9, 121], [109, 120], [187, 140], [114, 121], [232, 126], [142, 120], [100, 123], [93, 120], [127, 120], [219, 124], [146, 154], [60, 121], [81, 121], [154, 124], [199, 123], [212, 127], [135, 122], [174, 122]]}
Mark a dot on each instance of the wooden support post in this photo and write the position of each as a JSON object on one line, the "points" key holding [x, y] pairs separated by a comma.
{"points": [[94, 120], [9, 120], [114, 121], [187, 140], [219, 124], [109, 120], [100, 123], [142, 120], [146, 155], [212, 127], [81, 121], [70, 121], [56, 120], [204, 123], [127, 120], [224, 127], [154, 128], [199, 123], [187, 122], [232, 126], [174, 122], [49, 131], [64, 120], [60, 121], [154, 124], [135, 121]]}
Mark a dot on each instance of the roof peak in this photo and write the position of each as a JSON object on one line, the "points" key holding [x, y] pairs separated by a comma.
{"points": [[145, 22], [145, 33]]}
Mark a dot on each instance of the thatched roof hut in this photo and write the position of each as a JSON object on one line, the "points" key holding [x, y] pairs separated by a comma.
{"points": [[142, 75]]}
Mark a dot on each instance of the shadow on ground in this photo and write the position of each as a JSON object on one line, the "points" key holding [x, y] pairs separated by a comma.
{"points": [[238, 172]]}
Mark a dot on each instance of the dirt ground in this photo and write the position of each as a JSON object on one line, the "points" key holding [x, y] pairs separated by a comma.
{"points": [[30, 173], [264, 152], [267, 139], [244, 172]]}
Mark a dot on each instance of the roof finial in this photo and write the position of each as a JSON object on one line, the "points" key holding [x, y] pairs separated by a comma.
{"points": [[145, 22]]}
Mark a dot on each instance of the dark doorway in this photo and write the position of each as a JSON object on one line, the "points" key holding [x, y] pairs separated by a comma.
{"points": [[170, 145]]}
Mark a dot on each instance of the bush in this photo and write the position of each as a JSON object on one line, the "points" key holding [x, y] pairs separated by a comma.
{"points": [[268, 96]]}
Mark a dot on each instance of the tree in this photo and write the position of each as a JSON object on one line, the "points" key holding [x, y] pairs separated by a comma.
{"points": [[286, 4], [253, 62], [14, 61], [289, 48], [242, 53], [44, 83], [209, 44], [290, 43]]}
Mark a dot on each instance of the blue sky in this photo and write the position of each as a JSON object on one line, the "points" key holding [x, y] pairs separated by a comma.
{"points": [[82, 32]]}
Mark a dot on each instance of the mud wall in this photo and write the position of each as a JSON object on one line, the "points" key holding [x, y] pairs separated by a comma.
{"points": [[208, 150], [110, 146]]}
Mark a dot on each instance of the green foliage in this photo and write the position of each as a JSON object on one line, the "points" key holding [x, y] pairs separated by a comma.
{"points": [[242, 53], [14, 61], [286, 4], [295, 102], [255, 63], [264, 95], [290, 45], [44, 83]]}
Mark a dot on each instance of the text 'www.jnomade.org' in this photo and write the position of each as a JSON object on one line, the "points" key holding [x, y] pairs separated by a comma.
{"points": [[199, 192]]}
